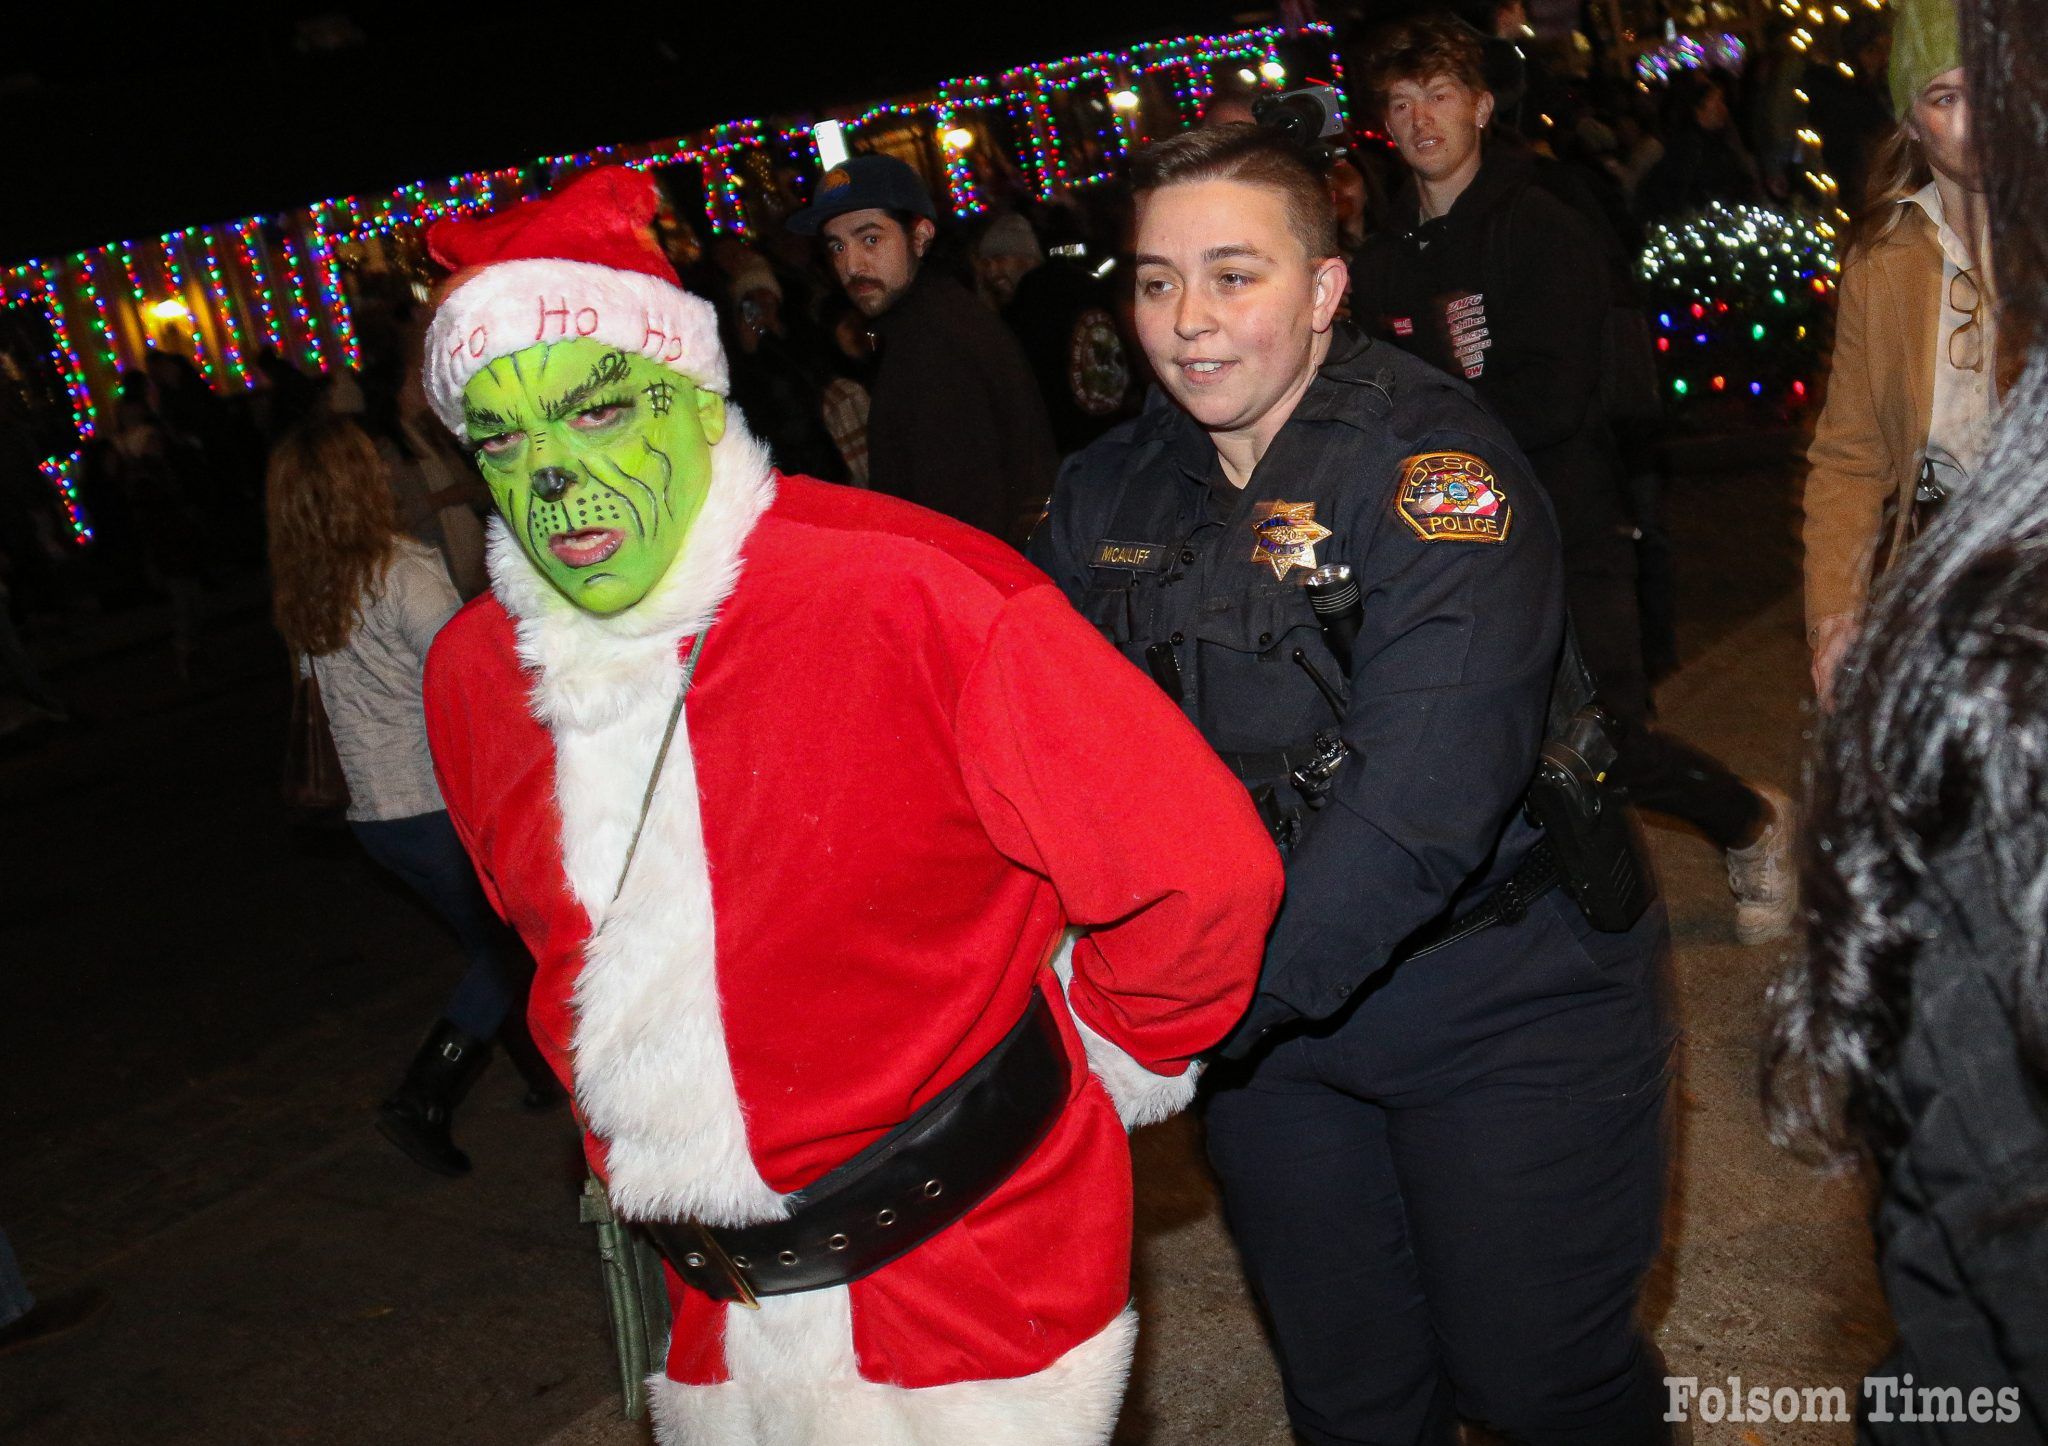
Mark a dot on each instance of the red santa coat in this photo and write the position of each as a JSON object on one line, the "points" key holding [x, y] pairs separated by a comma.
{"points": [[904, 768]]}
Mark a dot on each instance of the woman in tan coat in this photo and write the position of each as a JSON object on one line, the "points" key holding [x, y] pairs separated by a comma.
{"points": [[1912, 393]]}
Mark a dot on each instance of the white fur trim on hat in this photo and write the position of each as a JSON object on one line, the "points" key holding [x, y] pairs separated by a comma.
{"points": [[513, 305]]}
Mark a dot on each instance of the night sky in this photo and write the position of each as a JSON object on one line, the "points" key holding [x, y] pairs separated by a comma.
{"points": [[117, 129]]}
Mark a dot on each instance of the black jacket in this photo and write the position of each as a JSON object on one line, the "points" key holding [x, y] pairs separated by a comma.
{"points": [[1452, 667], [779, 391], [956, 423], [1065, 320], [1510, 292], [1969, 1292]]}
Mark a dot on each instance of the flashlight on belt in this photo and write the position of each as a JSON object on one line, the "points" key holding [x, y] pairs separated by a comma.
{"points": [[1333, 593]]}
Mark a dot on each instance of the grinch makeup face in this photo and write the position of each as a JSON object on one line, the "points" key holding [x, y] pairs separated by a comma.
{"points": [[598, 459]]}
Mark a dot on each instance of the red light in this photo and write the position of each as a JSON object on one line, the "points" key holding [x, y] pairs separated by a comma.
{"points": [[1720, 306], [1698, 311], [1663, 343], [1720, 384], [1799, 389]]}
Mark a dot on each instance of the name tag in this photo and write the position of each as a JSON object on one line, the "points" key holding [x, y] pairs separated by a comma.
{"points": [[1132, 556]]}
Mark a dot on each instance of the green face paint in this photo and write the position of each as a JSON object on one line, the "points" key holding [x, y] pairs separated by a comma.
{"points": [[598, 459]]}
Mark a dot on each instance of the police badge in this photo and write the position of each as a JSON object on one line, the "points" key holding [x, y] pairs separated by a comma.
{"points": [[1285, 534]]}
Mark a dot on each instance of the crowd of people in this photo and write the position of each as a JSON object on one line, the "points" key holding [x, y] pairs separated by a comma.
{"points": [[171, 456], [864, 881]]}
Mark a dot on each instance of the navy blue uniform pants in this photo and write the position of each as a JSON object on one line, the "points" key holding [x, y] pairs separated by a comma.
{"points": [[1448, 1199]]}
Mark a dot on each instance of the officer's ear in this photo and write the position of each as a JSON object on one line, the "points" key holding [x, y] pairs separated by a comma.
{"points": [[1330, 278]]}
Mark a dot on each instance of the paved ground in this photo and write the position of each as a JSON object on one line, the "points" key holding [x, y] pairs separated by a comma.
{"points": [[203, 1006]]}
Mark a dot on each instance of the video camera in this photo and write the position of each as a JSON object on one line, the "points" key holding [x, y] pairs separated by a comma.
{"points": [[1312, 117]]}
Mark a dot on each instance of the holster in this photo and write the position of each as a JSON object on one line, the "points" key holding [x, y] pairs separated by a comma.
{"points": [[1584, 815]]}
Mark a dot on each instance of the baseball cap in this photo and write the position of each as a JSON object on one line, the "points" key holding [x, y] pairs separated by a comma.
{"points": [[1010, 236], [864, 183]]}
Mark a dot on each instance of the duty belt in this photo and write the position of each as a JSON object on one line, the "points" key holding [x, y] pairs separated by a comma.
{"points": [[901, 1190], [1537, 875], [1272, 765]]}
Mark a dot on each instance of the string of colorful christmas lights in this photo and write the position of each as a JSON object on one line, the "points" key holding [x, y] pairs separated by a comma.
{"points": [[175, 279], [295, 278], [110, 355], [137, 297], [328, 274], [249, 288], [61, 471], [253, 266], [1720, 52], [223, 307], [65, 355]]}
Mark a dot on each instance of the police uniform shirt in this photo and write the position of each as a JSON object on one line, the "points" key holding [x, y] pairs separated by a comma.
{"points": [[1393, 468]]}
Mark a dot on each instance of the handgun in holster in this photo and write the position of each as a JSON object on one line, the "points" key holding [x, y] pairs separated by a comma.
{"points": [[1584, 814]]}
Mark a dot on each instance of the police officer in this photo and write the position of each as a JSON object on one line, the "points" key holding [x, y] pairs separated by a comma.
{"points": [[1442, 1153]]}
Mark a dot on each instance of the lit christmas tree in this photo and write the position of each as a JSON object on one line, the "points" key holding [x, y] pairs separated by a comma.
{"points": [[1739, 298]]}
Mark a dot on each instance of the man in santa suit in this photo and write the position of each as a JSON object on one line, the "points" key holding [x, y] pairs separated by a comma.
{"points": [[788, 790]]}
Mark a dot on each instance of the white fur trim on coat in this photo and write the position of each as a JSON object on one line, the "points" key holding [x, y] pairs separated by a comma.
{"points": [[517, 304], [652, 1073], [795, 1382], [1141, 1097]]}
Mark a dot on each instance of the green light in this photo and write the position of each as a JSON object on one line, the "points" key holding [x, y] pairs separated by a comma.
{"points": [[1756, 333], [1778, 296], [1679, 386]]}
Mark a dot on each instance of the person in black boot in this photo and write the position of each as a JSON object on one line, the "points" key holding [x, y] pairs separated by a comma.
{"points": [[417, 1118], [362, 631]]}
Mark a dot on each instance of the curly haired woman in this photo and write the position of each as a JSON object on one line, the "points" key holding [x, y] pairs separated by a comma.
{"points": [[358, 602]]}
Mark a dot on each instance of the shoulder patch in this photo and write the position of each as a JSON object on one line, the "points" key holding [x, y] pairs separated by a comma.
{"points": [[1453, 497]]}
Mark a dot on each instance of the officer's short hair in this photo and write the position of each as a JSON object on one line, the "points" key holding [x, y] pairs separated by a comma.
{"points": [[1424, 48], [1255, 156]]}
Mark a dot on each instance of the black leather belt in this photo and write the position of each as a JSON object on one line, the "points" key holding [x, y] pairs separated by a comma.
{"points": [[1536, 876], [898, 1192]]}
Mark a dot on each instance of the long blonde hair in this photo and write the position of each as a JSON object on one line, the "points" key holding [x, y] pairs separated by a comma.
{"points": [[333, 531], [1898, 169]]}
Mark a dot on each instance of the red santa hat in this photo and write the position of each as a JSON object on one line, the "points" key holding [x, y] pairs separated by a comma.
{"points": [[582, 262]]}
